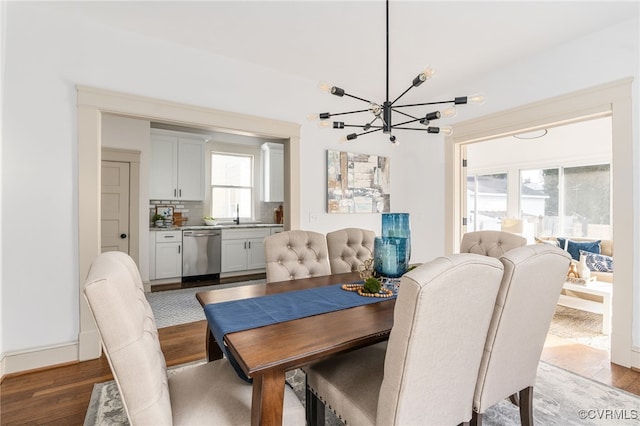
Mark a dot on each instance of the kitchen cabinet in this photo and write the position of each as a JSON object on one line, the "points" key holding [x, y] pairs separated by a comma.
{"points": [[177, 168], [273, 172], [166, 255], [243, 249]]}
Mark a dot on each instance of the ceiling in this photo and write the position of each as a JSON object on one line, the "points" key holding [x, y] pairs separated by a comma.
{"points": [[343, 42]]}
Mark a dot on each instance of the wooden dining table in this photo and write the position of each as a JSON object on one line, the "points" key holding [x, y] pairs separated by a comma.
{"points": [[266, 353]]}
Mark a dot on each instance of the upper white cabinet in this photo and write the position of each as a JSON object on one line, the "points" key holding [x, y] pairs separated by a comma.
{"points": [[177, 168], [273, 171]]}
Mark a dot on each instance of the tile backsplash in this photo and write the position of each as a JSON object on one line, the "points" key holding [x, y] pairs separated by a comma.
{"points": [[194, 210]]}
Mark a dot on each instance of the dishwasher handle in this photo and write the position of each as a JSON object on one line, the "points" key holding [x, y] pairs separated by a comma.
{"points": [[200, 234]]}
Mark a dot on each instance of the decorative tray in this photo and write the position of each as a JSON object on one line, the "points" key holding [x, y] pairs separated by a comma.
{"points": [[384, 293], [583, 281]]}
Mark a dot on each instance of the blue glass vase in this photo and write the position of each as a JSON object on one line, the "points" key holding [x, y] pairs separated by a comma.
{"points": [[397, 225], [390, 258]]}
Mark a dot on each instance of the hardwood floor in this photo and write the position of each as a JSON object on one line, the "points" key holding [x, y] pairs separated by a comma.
{"points": [[60, 396]]}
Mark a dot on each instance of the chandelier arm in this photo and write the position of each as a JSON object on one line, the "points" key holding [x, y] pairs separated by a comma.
{"points": [[424, 104], [348, 112], [361, 126], [402, 94], [356, 97], [425, 129], [370, 131], [395, 126], [406, 115]]}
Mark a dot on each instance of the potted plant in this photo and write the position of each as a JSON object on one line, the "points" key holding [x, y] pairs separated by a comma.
{"points": [[158, 220]]}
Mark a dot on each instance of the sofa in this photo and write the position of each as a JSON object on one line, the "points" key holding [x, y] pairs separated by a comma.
{"points": [[606, 249]]}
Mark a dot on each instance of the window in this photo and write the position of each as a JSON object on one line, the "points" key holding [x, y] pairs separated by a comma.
{"points": [[231, 185], [486, 201], [568, 201]]}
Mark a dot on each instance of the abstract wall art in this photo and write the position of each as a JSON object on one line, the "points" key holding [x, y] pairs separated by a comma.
{"points": [[357, 183]]}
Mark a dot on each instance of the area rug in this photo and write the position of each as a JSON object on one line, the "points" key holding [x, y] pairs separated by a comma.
{"points": [[560, 398], [580, 327], [174, 307]]}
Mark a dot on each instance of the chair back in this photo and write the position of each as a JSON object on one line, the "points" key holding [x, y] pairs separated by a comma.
{"points": [[532, 281], [349, 248], [441, 318], [296, 254], [490, 243], [127, 327]]}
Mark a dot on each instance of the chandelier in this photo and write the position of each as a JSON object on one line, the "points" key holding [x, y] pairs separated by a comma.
{"points": [[381, 119]]}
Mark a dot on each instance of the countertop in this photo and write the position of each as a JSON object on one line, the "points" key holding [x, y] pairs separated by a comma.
{"points": [[221, 226]]}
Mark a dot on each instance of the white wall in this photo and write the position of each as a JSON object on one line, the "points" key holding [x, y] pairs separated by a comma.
{"points": [[46, 58]]}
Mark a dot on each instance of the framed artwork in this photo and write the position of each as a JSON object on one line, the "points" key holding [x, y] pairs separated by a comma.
{"points": [[166, 211], [357, 183]]}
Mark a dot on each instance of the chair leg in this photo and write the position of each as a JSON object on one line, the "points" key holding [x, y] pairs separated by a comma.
{"points": [[476, 419], [515, 400], [314, 409], [526, 406]]}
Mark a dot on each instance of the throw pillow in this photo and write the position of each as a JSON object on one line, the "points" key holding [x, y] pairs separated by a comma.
{"points": [[598, 262], [574, 247]]}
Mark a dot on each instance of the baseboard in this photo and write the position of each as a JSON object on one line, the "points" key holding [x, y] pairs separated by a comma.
{"points": [[18, 362], [635, 359]]}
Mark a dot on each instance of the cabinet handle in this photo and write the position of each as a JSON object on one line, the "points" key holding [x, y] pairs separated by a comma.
{"points": [[179, 251], [249, 245], [174, 192], [180, 193], [245, 245]]}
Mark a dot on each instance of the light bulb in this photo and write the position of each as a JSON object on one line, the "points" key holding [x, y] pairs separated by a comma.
{"points": [[343, 139], [446, 130], [477, 99], [325, 87], [428, 72], [325, 124], [449, 112], [313, 117]]}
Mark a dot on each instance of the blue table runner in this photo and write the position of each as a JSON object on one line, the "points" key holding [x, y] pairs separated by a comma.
{"points": [[245, 314]]}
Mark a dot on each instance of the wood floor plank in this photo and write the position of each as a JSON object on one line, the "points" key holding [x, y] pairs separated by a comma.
{"points": [[60, 396]]}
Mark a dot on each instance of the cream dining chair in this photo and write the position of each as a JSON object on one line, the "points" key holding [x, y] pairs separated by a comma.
{"points": [[210, 393], [349, 248], [533, 278], [427, 372], [490, 243], [296, 254]]}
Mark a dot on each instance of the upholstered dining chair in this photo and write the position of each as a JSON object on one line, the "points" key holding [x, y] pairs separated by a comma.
{"points": [[533, 278], [296, 254], [490, 243], [426, 373], [349, 248], [210, 393]]}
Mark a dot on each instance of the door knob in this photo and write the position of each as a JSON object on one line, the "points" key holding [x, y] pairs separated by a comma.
{"points": [[123, 236]]}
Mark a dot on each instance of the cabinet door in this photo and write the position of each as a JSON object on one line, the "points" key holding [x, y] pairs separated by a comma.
{"points": [[168, 260], [255, 254], [234, 255], [163, 175], [190, 170]]}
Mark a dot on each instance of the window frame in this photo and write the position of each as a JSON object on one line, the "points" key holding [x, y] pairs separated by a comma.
{"points": [[239, 151]]}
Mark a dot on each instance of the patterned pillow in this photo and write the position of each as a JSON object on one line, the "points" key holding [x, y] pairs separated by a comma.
{"points": [[598, 262], [574, 247]]}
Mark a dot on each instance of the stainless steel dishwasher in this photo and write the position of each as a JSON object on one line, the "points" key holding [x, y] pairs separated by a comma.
{"points": [[201, 254]]}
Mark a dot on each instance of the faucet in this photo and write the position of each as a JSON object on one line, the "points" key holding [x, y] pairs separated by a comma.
{"points": [[236, 220]]}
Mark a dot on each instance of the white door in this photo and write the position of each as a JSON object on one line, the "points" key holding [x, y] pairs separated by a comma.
{"points": [[115, 207], [255, 254]]}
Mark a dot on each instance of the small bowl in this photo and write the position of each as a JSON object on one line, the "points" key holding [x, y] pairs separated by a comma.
{"points": [[210, 222]]}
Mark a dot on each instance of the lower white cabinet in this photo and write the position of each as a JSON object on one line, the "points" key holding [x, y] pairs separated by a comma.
{"points": [[243, 249], [166, 255]]}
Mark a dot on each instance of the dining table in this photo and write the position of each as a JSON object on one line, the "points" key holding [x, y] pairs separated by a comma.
{"points": [[265, 353]]}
